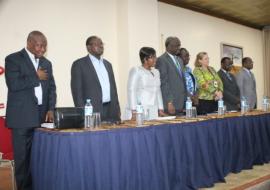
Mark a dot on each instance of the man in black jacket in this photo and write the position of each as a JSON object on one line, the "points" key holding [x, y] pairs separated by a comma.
{"points": [[31, 100], [92, 78], [231, 93]]}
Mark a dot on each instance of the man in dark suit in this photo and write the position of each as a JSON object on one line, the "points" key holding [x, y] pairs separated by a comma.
{"points": [[172, 77], [92, 78], [231, 92], [31, 100]]}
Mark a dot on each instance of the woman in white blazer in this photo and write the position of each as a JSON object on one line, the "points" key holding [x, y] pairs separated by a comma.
{"points": [[144, 86]]}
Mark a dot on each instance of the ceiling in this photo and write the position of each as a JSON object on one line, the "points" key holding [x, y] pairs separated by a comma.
{"points": [[252, 13]]}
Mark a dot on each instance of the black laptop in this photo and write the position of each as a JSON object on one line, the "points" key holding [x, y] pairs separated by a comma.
{"points": [[69, 117]]}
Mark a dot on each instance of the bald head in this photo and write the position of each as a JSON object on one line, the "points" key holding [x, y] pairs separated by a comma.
{"points": [[37, 43]]}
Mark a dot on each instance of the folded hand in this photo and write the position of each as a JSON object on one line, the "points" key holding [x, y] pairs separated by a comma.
{"points": [[42, 74]]}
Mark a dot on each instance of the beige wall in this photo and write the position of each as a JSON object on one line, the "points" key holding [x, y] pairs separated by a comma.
{"points": [[199, 32], [125, 26]]}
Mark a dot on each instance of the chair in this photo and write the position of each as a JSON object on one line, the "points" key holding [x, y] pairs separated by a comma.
{"points": [[6, 151]]}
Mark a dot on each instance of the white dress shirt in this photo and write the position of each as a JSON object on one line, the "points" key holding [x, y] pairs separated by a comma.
{"points": [[176, 63], [144, 87], [103, 78], [248, 71], [38, 89], [174, 60], [227, 74]]}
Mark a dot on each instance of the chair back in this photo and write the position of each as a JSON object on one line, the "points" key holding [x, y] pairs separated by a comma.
{"points": [[5, 140]]}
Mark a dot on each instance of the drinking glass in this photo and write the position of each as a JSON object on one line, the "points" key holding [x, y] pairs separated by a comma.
{"points": [[247, 108], [224, 109], [194, 112], [97, 120], [146, 114]]}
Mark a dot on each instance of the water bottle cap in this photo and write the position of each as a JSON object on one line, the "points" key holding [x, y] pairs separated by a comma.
{"points": [[220, 103], [139, 108]]}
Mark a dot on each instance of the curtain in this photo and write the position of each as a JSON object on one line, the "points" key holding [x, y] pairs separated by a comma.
{"points": [[266, 58]]}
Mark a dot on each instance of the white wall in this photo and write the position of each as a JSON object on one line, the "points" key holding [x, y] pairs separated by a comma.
{"points": [[137, 27], [66, 24], [199, 32], [124, 26]]}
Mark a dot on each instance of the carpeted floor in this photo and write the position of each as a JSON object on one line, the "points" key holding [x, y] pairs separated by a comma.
{"points": [[5, 178], [256, 179]]}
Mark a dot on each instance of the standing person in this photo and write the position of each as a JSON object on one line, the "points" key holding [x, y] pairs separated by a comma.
{"points": [[231, 93], [144, 86], [210, 86], [189, 77], [31, 100], [172, 78], [92, 78], [247, 83]]}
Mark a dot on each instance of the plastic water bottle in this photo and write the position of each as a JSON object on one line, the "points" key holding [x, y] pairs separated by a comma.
{"points": [[243, 105], [88, 112], [139, 115], [265, 103], [188, 108], [220, 107]]}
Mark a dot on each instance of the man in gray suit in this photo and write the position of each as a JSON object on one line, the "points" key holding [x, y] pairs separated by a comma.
{"points": [[92, 78], [231, 93], [172, 78], [246, 82]]}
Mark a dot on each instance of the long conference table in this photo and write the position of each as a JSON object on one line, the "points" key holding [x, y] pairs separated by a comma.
{"points": [[172, 155]]}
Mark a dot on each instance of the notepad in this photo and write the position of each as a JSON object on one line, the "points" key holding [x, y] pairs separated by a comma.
{"points": [[166, 118], [48, 125]]}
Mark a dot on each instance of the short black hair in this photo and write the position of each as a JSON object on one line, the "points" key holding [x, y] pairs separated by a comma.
{"points": [[146, 52], [90, 39], [224, 59], [245, 59], [169, 40], [34, 33], [182, 49], [179, 52]]}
